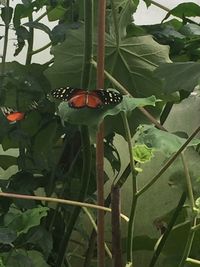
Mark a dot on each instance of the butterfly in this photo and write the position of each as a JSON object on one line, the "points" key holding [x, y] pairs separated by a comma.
{"points": [[79, 98], [13, 115]]}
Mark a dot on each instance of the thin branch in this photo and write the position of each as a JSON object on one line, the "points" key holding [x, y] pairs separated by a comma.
{"points": [[191, 234], [95, 227], [60, 200], [116, 227], [100, 135], [167, 232], [193, 261], [160, 6], [40, 49], [134, 192]]}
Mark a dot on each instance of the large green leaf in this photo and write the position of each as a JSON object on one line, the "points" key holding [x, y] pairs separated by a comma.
{"points": [[21, 222], [132, 63], [165, 142], [175, 76], [92, 117]]}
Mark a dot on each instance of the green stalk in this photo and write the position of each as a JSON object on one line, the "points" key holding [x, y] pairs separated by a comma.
{"points": [[84, 186], [168, 230], [129, 255], [192, 206], [30, 42], [5, 47], [41, 49], [85, 138]]}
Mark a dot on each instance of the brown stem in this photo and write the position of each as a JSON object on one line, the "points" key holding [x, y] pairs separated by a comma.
{"points": [[116, 236], [100, 135]]}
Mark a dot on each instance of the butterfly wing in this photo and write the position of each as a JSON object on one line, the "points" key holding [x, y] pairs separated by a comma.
{"points": [[65, 93], [12, 115], [109, 97]]}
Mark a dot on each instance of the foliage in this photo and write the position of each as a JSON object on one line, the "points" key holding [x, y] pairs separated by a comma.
{"points": [[158, 66]]}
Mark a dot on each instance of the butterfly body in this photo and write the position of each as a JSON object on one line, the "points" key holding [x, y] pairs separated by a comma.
{"points": [[79, 98]]}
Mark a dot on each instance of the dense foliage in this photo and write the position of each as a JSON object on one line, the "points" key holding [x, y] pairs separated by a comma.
{"points": [[156, 64]]}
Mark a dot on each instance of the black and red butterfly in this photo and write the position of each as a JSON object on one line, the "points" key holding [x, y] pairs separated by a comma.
{"points": [[13, 115], [79, 98]]}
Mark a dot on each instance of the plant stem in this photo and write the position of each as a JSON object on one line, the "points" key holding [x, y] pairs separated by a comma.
{"points": [[116, 227], [100, 135], [159, 5], [86, 146], [5, 47], [168, 163], [107, 202], [168, 230], [191, 234], [193, 261], [129, 249], [41, 49], [95, 228], [30, 42], [59, 200], [188, 182], [41, 16]]}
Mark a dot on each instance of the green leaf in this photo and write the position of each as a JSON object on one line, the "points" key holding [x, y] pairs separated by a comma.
{"points": [[142, 153], [22, 258], [7, 235], [56, 13], [175, 76], [165, 142], [21, 222], [92, 117], [42, 238], [6, 14], [23, 84], [42, 144], [132, 64], [6, 161], [185, 10], [190, 29], [125, 17]]}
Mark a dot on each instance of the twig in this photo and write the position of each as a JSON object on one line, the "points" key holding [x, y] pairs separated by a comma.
{"points": [[60, 200]]}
